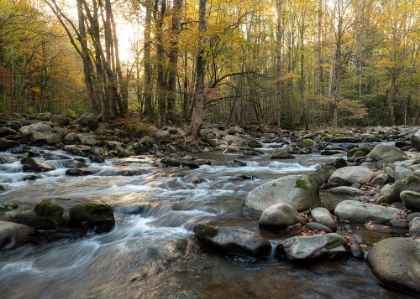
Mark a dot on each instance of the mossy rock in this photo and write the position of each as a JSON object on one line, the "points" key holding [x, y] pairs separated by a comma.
{"points": [[98, 217], [411, 183], [6, 144], [302, 184], [205, 231], [352, 151], [49, 210], [306, 143]]}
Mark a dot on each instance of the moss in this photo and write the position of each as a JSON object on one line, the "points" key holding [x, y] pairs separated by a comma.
{"points": [[31, 163], [274, 185], [351, 152], [49, 210], [313, 182], [60, 199], [6, 144], [300, 183], [204, 231], [87, 210], [306, 143]]}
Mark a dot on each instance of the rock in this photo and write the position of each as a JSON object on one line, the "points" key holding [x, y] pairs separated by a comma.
{"points": [[322, 174], [37, 132], [411, 199], [71, 138], [315, 248], [234, 140], [60, 119], [178, 163], [88, 120], [233, 240], [411, 183], [319, 227], [5, 131], [380, 179], [349, 175], [401, 171], [299, 191], [280, 215], [323, 216], [355, 251], [355, 211], [414, 228], [281, 154], [347, 191], [415, 140], [61, 214], [87, 139], [31, 164], [13, 235], [81, 171], [345, 139], [395, 262], [384, 151], [6, 144], [337, 163]]}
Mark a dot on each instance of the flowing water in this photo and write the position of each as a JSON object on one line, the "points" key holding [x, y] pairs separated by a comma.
{"points": [[152, 253]]}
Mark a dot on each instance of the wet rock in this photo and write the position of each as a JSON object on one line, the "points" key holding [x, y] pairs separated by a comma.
{"points": [[355, 251], [399, 223], [315, 248], [6, 144], [82, 171], [411, 183], [280, 215], [345, 139], [13, 235], [233, 240], [319, 227], [395, 262], [124, 171], [281, 154], [323, 216], [61, 214], [178, 163], [355, 211], [31, 164], [88, 120], [322, 174], [384, 151], [71, 138], [349, 175], [299, 191]]}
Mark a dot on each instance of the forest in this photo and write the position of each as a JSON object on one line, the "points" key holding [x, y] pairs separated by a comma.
{"points": [[284, 63]]}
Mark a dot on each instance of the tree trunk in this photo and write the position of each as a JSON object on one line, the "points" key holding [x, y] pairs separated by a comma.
{"points": [[148, 84], [197, 115]]}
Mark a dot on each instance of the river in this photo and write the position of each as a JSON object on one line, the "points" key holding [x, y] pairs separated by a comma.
{"points": [[152, 253]]}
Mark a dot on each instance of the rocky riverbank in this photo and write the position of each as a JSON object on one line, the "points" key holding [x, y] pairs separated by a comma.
{"points": [[375, 170]]}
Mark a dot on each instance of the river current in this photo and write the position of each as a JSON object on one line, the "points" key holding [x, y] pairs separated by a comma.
{"points": [[152, 253]]}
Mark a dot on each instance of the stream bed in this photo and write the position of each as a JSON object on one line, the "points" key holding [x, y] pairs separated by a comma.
{"points": [[152, 253]]}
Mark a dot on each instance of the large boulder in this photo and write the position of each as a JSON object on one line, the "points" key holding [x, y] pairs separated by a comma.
{"points": [[88, 120], [313, 248], [13, 235], [38, 132], [385, 151], [280, 215], [31, 164], [355, 211], [299, 191], [61, 214], [233, 240], [411, 183], [395, 262], [349, 175]]}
